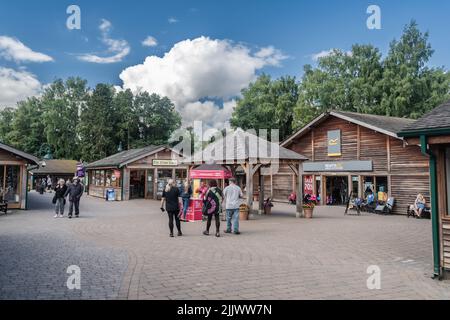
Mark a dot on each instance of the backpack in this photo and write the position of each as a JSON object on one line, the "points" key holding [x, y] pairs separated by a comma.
{"points": [[212, 202]]}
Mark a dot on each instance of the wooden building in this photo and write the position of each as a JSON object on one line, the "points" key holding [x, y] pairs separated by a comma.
{"points": [[56, 169], [351, 153], [136, 174], [14, 165], [432, 132]]}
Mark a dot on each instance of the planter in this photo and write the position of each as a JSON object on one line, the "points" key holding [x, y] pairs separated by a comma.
{"points": [[243, 212], [308, 213]]}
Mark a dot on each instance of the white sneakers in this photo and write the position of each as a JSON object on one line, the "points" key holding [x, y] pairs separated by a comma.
{"points": [[58, 216]]}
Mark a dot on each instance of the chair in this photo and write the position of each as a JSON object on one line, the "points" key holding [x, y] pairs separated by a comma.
{"points": [[386, 208]]}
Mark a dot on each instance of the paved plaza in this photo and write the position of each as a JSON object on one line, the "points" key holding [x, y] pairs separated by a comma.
{"points": [[124, 252]]}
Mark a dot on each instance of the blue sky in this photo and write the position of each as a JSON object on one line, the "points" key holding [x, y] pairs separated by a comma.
{"points": [[295, 29]]}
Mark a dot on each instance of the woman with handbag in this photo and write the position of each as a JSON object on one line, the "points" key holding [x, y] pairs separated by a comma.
{"points": [[212, 206], [170, 198], [59, 199]]}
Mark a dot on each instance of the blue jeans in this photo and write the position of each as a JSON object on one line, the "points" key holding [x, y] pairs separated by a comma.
{"points": [[233, 217], [186, 202]]}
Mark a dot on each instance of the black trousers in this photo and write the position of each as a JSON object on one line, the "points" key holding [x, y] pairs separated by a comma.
{"points": [[217, 220], [174, 215], [75, 203]]}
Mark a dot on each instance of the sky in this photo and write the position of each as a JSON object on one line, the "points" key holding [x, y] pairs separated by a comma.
{"points": [[199, 53]]}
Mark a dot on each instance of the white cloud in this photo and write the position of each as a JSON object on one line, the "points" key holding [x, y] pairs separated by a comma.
{"points": [[14, 50], [119, 48], [172, 20], [16, 86], [150, 42], [326, 53], [195, 72]]}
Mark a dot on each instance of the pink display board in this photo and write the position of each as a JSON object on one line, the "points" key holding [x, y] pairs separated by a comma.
{"points": [[210, 174]]}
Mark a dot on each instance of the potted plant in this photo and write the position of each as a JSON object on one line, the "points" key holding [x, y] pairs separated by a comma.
{"points": [[308, 208], [243, 212]]}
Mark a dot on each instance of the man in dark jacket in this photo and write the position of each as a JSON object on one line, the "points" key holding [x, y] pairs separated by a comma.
{"points": [[75, 191]]}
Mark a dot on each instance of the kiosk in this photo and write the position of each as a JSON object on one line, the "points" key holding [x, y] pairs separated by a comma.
{"points": [[198, 176]]}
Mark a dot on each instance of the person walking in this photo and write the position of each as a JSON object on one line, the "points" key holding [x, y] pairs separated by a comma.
{"points": [[232, 195], [213, 201], [75, 191], [186, 194], [49, 183], [170, 198], [59, 198]]}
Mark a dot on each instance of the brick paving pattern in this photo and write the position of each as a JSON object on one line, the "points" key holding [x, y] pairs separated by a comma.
{"points": [[124, 252]]}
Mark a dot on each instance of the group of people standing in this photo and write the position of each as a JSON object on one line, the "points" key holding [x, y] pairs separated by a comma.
{"points": [[74, 190], [214, 199]]}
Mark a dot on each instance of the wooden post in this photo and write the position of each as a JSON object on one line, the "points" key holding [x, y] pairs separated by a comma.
{"points": [[261, 192], [249, 185], [299, 213]]}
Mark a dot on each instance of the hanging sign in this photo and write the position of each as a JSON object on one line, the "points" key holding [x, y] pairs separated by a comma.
{"points": [[334, 143], [165, 162]]}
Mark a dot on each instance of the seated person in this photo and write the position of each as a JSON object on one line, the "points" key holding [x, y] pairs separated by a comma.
{"points": [[419, 205], [370, 198]]}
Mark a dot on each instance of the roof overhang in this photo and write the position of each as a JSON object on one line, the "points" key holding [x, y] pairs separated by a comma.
{"points": [[426, 132]]}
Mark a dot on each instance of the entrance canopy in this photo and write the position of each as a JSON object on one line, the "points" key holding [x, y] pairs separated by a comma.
{"points": [[206, 171], [253, 154]]}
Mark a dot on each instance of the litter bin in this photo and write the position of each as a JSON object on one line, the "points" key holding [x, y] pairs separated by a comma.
{"points": [[110, 195]]}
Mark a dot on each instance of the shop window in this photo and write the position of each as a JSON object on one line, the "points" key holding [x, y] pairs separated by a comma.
{"points": [[112, 178], [382, 184], [99, 178], [12, 183], [447, 177]]}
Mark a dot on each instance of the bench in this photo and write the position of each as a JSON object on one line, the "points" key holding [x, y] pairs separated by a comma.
{"points": [[426, 213]]}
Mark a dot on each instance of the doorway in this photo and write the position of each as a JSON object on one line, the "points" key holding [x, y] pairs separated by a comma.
{"points": [[336, 190], [137, 184]]}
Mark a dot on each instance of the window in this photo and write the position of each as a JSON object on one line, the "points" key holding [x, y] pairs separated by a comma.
{"points": [[447, 177], [382, 184], [12, 182]]}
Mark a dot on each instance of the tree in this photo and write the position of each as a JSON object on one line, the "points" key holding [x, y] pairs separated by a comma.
{"points": [[157, 119], [28, 129], [127, 120], [401, 85], [6, 118], [267, 104], [96, 129], [62, 103]]}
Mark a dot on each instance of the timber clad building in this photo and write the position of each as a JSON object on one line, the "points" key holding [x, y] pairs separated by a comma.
{"points": [[351, 153], [432, 132]]}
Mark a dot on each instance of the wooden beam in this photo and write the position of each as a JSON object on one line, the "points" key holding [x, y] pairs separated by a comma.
{"points": [[249, 185], [261, 193], [312, 146], [299, 213], [358, 142], [388, 147], [431, 140]]}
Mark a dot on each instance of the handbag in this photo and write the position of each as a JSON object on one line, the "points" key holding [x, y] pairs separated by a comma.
{"points": [[54, 199]]}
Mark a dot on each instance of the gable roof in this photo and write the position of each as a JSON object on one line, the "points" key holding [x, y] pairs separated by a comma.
{"points": [[437, 119], [121, 159], [57, 167], [236, 147], [30, 158], [382, 124]]}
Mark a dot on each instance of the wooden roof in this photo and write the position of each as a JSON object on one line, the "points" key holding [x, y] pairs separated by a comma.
{"points": [[121, 159], [382, 124], [437, 119], [56, 167], [241, 146], [28, 157]]}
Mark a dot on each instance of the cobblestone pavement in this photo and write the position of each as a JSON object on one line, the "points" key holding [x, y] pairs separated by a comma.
{"points": [[124, 252]]}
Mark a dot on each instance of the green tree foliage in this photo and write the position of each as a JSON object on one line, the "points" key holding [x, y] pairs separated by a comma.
{"points": [[62, 103], [401, 85], [78, 124], [28, 129], [267, 104]]}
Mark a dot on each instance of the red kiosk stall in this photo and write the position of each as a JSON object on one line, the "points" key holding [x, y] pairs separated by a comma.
{"points": [[199, 176]]}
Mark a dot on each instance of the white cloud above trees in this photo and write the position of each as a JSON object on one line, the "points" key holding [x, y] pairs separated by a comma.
{"points": [[197, 73]]}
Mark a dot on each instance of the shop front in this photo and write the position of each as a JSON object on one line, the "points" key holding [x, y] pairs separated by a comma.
{"points": [[136, 174], [353, 155], [14, 165]]}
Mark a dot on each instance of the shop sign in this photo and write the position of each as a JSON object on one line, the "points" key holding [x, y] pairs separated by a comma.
{"points": [[338, 166], [308, 185], [334, 143], [165, 162]]}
